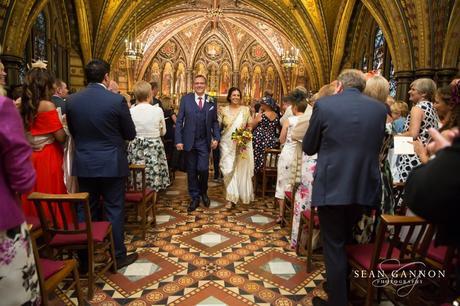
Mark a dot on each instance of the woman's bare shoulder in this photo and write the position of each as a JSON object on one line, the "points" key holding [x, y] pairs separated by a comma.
{"points": [[46, 106]]}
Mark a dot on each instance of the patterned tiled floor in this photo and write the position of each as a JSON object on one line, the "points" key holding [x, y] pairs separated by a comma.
{"points": [[213, 256]]}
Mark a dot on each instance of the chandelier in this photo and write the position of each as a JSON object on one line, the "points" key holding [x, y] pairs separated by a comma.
{"points": [[290, 57], [134, 49]]}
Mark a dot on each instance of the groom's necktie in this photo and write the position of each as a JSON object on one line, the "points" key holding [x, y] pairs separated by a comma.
{"points": [[200, 103]]}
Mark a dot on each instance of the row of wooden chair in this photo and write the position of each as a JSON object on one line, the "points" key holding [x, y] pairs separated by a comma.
{"points": [[65, 235]]}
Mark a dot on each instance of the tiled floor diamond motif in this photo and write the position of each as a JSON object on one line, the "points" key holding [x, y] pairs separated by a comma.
{"points": [[149, 269], [259, 220], [281, 269], [167, 217], [140, 269], [212, 294], [210, 240], [212, 301]]}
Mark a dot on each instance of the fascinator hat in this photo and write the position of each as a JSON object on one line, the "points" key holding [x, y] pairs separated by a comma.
{"points": [[268, 101]]}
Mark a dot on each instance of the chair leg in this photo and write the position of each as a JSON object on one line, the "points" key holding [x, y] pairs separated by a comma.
{"points": [[112, 252], [91, 274], [370, 293], [77, 285], [143, 215], [154, 209], [299, 234], [311, 225], [264, 181]]}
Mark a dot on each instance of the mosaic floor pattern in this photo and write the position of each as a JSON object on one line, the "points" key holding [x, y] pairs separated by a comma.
{"points": [[213, 256]]}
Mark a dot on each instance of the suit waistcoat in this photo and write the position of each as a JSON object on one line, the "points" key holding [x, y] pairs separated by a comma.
{"points": [[200, 127]]}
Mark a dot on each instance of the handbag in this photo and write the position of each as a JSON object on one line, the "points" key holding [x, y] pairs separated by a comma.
{"points": [[178, 161]]}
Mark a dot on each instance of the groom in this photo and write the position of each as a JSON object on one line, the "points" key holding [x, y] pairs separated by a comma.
{"points": [[197, 131]]}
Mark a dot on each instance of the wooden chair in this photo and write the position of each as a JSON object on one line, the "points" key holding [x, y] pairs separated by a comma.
{"points": [[309, 221], [269, 168], [289, 206], [141, 199], [74, 235], [390, 245], [52, 272]]}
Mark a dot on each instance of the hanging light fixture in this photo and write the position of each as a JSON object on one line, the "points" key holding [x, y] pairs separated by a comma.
{"points": [[290, 57], [134, 49]]}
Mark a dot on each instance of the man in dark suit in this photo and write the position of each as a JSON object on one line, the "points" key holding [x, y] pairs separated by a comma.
{"points": [[100, 123], [346, 130], [155, 90], [197, 130], [60, 93]]}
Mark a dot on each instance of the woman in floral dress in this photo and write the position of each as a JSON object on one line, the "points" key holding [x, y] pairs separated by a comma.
{"points": [[147, 148], [264, 133]]}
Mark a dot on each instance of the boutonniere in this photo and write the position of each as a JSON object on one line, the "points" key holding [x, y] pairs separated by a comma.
{"points": [[209, 99]]}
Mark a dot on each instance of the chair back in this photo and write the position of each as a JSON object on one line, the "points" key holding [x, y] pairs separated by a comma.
{"points": [[58, 213], [136, 182], [405, 238], [271, 157]]}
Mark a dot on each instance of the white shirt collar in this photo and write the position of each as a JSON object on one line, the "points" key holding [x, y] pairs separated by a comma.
{"points": [[197, 96], [105, 87]]}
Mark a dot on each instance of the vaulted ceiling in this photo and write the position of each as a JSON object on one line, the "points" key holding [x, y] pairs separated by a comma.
{"points": [[419, 33]]}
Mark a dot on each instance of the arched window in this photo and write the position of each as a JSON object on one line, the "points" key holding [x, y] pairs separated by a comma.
{"points": [[379, 50], [381, 59]]}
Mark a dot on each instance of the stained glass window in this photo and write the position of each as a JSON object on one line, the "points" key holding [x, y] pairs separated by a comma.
{"points": [[379, 50], [39, 50], [392, 80]]}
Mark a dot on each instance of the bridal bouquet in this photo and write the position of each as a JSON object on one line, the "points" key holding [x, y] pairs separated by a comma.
{"points": [[242, 137]]}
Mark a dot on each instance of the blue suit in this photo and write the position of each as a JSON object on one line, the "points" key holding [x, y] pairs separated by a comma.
{"points": [[100, 123], [195, 129], [347, 131]]}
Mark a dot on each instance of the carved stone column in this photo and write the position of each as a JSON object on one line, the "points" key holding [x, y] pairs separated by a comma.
{"points": [[13, 65], [446, 75], [403, 80], [236, 79], [424, 73]]}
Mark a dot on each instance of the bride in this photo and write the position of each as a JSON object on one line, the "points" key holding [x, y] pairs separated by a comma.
{"points": [[237, 168]]}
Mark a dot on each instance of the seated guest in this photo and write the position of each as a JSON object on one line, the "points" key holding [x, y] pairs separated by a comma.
{"points": [[18, 275], [60, 94], [399, 110], [147, 148]]}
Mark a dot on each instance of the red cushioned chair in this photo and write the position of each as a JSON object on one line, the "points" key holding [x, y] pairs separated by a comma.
{"points": [[309, 221], [73, 235], [51, 273], [140, 199], [390, 244], [289, 205]]}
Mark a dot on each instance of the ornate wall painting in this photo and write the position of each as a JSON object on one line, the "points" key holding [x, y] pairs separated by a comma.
{"points": [[156, 73], [270, 79], [169, 49], [166, 84], [244, 81], [225, 79], [213, 50], [257, 82], [201, 69], [180, 86], [213, 80], [301, 76], [258, 53]]}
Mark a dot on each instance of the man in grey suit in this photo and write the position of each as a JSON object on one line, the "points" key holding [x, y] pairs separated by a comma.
{"points": [[346, 130]]}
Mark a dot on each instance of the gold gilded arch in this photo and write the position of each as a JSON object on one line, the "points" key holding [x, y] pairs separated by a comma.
{"points": [[451, 50]]}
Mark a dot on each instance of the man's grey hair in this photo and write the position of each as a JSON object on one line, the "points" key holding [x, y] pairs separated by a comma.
{"points": [[352, 78]]}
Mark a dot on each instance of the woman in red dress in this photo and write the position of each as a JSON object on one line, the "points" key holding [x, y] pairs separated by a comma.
{"points": [[45, 134]]}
